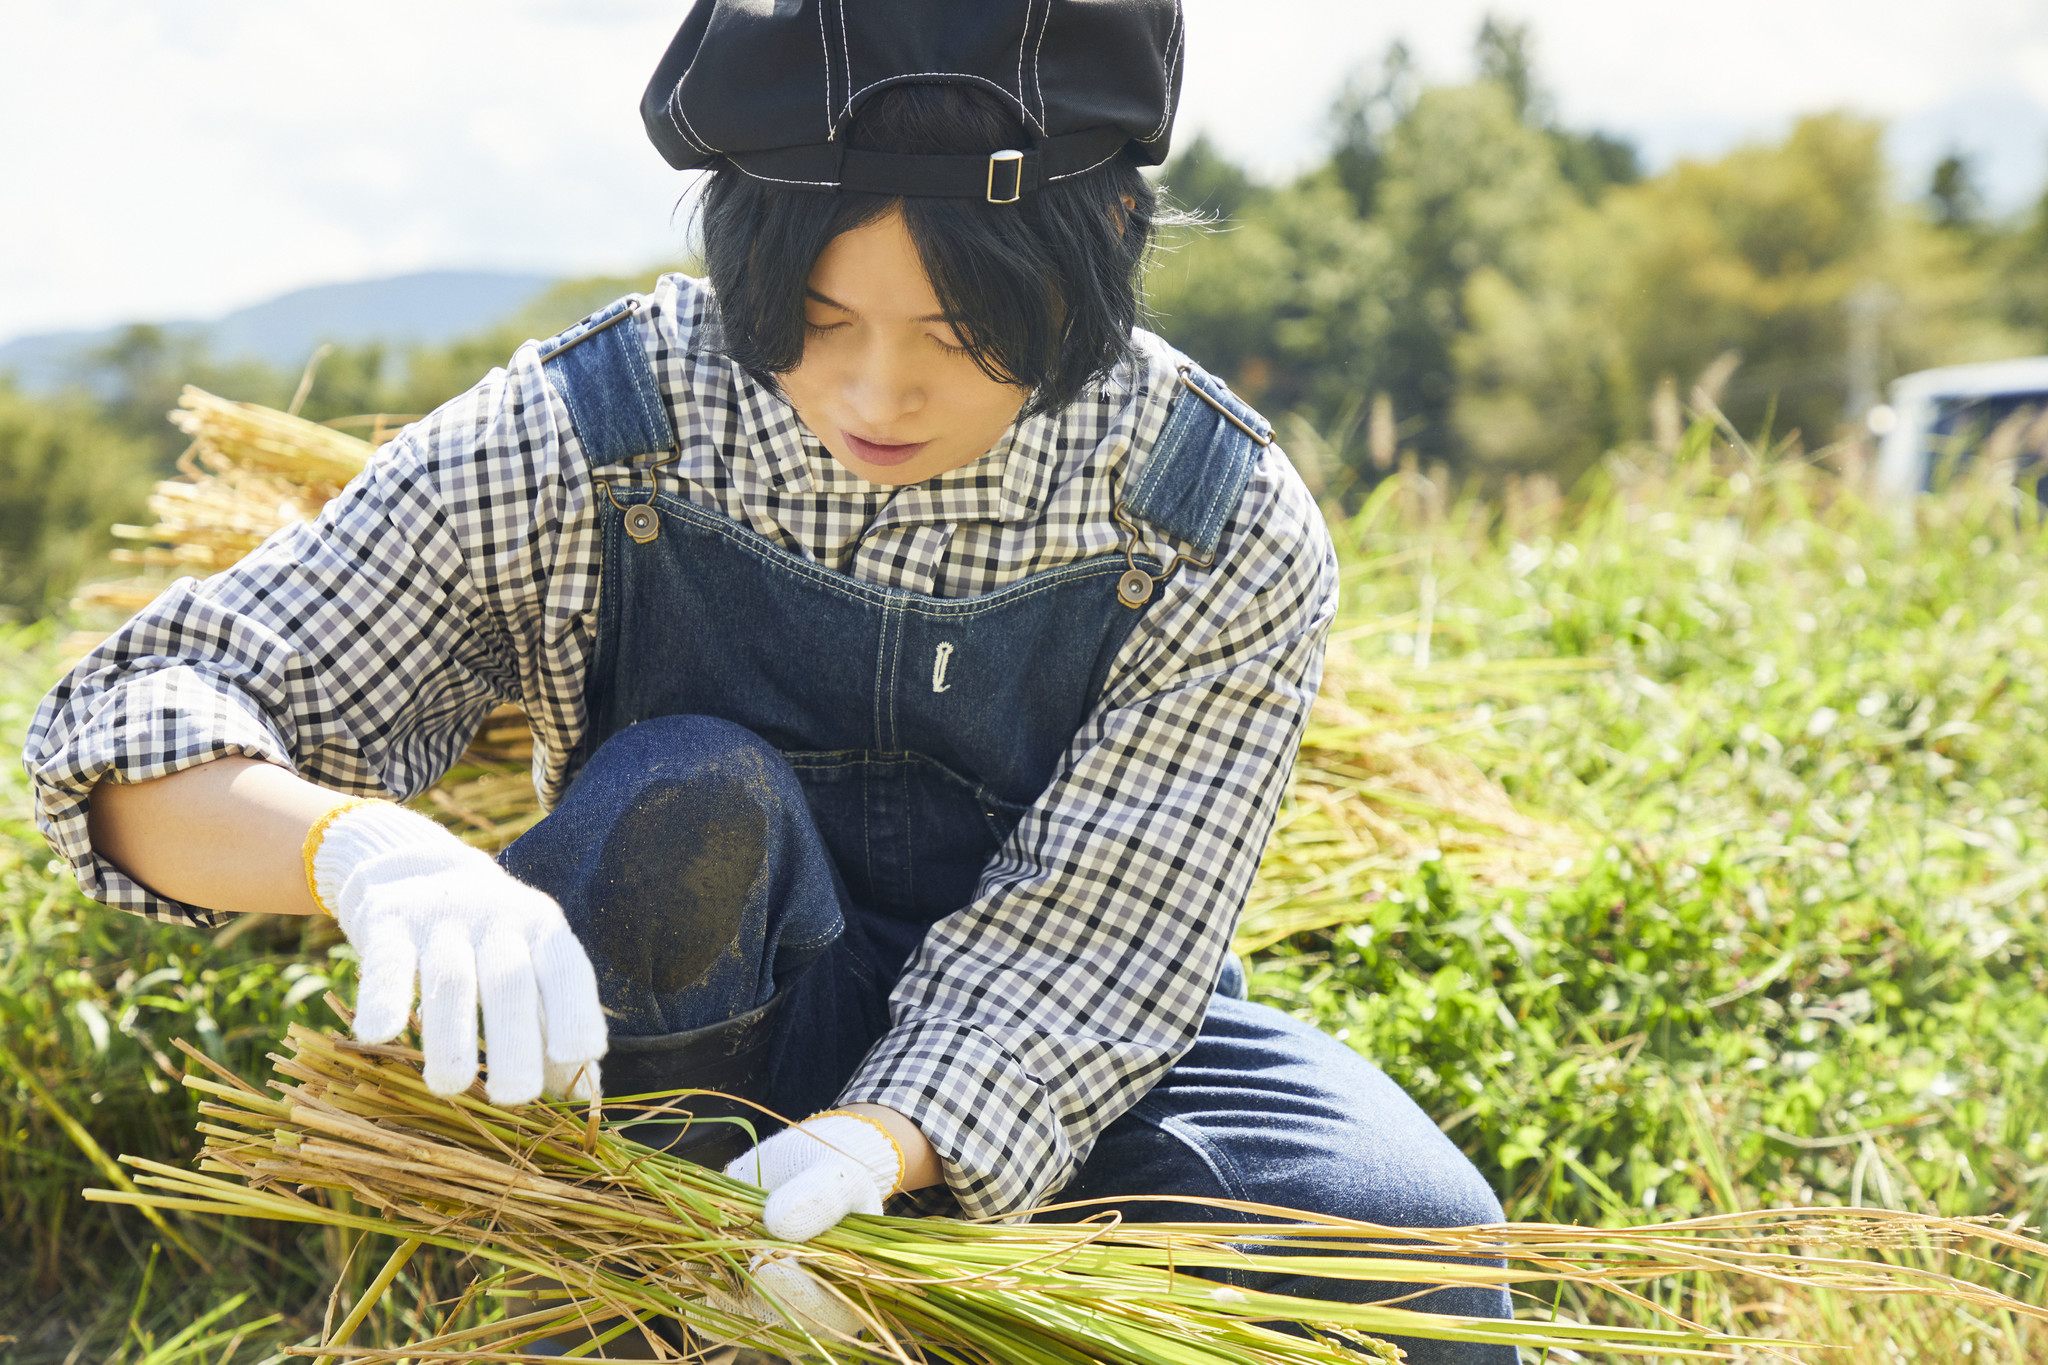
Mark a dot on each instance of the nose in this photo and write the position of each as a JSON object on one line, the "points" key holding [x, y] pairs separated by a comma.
{"points": [[884, 386]]}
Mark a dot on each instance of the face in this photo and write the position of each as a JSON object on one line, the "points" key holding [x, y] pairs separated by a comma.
{"points": [[884, 382]]}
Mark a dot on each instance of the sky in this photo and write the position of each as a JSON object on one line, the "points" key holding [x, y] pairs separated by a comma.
{"points": [[181, 158]]}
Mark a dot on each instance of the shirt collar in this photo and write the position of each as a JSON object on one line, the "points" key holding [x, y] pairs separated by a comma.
{"points": [[1043, 451], [1031, 452], [780, 442]]}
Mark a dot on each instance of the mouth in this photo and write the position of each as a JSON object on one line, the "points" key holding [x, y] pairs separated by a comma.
{"points": [[881, 452]]}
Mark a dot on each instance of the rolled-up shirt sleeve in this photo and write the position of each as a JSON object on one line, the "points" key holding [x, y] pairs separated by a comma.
{"points": [[362, 650], [1035, 1016]]}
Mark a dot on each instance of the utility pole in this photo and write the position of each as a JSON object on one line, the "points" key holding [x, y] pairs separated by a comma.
{"points": [[1866, 306]]}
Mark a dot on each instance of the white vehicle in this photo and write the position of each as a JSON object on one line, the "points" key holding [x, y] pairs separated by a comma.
{"points": [[1941, 418]]}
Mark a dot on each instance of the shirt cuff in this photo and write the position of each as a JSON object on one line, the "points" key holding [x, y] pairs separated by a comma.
{"points": [[990, 1120], [151, 725]]}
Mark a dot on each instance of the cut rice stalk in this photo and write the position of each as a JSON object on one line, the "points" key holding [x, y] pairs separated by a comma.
{"points": [[632, 1232]]}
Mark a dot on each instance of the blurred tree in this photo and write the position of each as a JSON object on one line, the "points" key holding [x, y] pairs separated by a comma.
{"points": [[1306, 303], [1952, 193], [1594, 162], [1503, 50], [1303, 304], [142, 359], [65, 475], [2020, 271], [1767, 254], [1368, 109], [137, 377], [346, 381], [1205, 181], [1757, 252], [1514, 324], [1291, 303], [1591, 162], [1468, 187], [1544, 380]]}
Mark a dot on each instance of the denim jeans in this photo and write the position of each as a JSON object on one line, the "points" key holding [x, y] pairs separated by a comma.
{"points": [[686, 861]]}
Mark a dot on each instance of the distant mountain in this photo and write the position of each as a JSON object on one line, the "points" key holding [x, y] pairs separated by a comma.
{"points": [[427, 309]]}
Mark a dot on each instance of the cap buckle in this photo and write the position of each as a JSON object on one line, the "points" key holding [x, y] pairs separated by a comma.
{"points": [[1015, 161]]}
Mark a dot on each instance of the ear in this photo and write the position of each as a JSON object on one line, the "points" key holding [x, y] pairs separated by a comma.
{"points": [[1120, 219]]}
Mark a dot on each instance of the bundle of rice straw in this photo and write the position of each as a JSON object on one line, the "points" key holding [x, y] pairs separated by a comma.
{"points": [[633, 1234], [248, 471]]}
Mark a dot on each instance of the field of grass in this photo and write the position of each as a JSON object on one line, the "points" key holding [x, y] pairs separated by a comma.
{"points": [[1679, 845]]}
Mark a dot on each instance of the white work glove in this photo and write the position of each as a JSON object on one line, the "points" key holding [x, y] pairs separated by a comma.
{"points": [[816, 1173], [418, 902]]}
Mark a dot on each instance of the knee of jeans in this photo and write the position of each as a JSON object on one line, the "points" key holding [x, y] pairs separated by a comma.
{"points": [[664, 833], [1230, 982], [701, 751], [1436, 1187], [1466, 1200], [1453, 1194]]}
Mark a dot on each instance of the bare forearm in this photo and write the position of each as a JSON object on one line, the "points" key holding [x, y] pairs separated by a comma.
{"points": [[226, 835], [920, 1162]]}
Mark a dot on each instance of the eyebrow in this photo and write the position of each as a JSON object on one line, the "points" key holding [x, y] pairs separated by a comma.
{"points": [[830, 302]]}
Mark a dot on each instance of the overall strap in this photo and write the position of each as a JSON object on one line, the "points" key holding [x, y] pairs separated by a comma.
{"points": [[601, 371], [1192, 478]]}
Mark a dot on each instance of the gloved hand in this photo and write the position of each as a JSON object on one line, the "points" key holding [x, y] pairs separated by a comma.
{"points": [[418, 902], [783, 1289], [816, 1173]]}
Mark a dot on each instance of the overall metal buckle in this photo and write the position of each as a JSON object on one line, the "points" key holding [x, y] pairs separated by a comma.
{"points": [[1260, 438], [643, 523], [1015, 161]]}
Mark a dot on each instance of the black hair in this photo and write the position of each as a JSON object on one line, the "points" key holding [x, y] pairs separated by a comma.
{"points": [[1044, 292]]}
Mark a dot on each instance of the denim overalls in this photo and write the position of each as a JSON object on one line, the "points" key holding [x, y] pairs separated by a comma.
{"points": [[790, 773]]}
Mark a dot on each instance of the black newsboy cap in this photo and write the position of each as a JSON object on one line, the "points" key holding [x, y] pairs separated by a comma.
{"points": [[769, 86]]}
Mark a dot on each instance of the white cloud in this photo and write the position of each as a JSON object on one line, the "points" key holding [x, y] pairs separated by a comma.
{"points": [[190, 158], [179, 159], [1691, 76], [2030, 62]]}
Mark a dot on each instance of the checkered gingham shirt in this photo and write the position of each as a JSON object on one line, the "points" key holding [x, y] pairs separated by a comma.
{"points": [[460, 570]]}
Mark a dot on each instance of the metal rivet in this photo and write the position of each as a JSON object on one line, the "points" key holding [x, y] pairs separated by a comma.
{"points": [[1134, 588], [641, 523]]}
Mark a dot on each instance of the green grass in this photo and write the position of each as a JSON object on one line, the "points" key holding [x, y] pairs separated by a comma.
{"points": [[89, 1003], [1811, 780], [1714, 878], [1798, 956]]}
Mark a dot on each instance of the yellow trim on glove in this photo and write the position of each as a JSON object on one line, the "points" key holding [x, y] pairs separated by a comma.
{"points": [[318, 832], [902, 1162]]}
